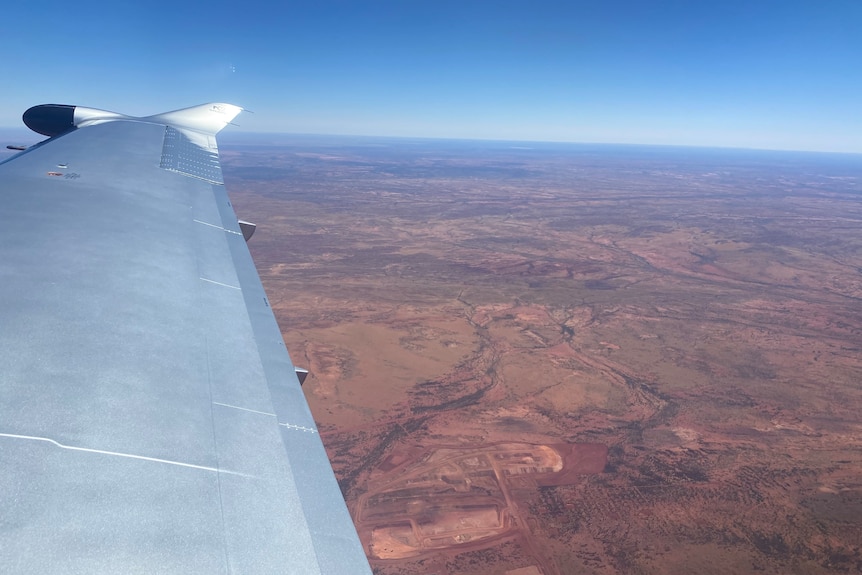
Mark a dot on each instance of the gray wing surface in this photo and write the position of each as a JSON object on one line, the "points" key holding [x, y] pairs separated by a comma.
{"points": [[151, 420]]}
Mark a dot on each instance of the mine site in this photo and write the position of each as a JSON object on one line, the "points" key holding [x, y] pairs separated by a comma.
{"points": [[455, 497], [558, 359]]}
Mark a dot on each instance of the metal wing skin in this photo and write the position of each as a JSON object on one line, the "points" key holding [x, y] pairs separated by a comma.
{"points": [[150, 417]]}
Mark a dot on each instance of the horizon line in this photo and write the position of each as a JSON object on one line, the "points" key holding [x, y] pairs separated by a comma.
{"points": [[227, 132], [516, 141]]}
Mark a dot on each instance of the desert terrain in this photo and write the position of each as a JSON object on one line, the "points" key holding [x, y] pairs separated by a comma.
{"points": [[539, 359]]}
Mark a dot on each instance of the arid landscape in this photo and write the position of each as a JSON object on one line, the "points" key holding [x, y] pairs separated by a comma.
{"points": [[540, 359]]}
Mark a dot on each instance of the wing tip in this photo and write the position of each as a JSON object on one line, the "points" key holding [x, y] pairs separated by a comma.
{"points": [[207, 118], [55, 119]]}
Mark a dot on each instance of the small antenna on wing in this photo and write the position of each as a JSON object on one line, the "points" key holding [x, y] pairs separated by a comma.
{"points": [[14, 147], [237, 125]]}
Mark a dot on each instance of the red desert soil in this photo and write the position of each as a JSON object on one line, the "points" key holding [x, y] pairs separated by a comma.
{"points": [[573, 360]]}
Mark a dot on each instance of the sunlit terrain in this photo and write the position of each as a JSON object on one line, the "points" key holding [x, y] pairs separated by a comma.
{"points": [[551, 359]]}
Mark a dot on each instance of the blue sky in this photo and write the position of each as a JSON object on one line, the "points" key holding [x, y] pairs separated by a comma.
{"points": [[757, 73]]}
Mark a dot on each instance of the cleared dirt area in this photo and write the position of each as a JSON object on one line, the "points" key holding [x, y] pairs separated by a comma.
{"points": [[455, 496]]}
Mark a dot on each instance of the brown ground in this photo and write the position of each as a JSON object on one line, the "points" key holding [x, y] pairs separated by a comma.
{"points": [[565, 361]]}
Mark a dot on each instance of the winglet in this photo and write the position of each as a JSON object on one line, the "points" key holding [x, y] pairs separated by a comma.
{"points": [[207, 119], [55, 119]]}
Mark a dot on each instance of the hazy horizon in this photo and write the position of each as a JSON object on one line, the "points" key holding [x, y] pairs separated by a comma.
{"points": [[23, 135]]}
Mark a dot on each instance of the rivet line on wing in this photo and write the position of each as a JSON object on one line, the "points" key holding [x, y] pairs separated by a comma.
{"points": [[298, 427], [220, 284], [243, 408], [218, 227]]}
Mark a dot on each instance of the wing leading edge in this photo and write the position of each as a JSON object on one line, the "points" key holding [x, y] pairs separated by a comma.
{"points": [[151, 419]]}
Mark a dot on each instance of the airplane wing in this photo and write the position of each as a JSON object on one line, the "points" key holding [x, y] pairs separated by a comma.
{"points": [[151, 420]]}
